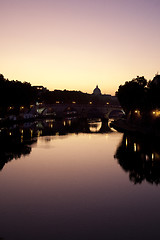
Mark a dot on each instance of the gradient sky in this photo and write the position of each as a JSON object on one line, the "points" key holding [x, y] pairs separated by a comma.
{"points": [[77, 44]]}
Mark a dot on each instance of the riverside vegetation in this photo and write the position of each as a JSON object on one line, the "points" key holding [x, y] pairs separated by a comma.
{"points": [[140, 100]]}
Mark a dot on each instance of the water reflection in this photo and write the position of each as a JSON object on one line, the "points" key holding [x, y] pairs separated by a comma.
{"points": [[12, 147], [95, 125], [140, 157], [17, 140]]}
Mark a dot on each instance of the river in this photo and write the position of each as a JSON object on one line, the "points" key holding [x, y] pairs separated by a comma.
{"points": [[69, 180]]}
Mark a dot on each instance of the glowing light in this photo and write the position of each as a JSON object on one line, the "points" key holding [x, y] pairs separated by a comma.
{"points": [[107, 136], [107, 103], [73, 102], [90, 102], [39, 133], [156, 113], [57, 102], [126, 142], [138, 147], [135, 147], [95, 126], [137, 112]]}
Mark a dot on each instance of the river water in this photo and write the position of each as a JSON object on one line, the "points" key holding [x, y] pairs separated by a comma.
{"points": [[68, 181]]}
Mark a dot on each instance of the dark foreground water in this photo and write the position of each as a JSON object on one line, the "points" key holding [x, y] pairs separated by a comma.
{"points": [[84, 185]]}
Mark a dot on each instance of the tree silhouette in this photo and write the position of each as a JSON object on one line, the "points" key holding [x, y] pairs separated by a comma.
{"points": [[140, 158], [132, 95], [15, 93]]}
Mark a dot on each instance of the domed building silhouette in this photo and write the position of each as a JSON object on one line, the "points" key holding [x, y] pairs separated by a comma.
{"points": [[99, 98], [97, 91]]}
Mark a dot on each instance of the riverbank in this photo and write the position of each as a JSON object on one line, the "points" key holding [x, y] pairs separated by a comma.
{"points": [[121, 125]]}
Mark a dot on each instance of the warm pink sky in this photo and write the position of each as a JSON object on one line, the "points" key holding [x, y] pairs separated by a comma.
{"points": [[73, 44]]}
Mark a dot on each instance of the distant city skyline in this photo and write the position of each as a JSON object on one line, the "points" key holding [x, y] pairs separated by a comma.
{"points": [[76, 45]]}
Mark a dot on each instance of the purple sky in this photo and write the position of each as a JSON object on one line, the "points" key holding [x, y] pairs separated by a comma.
{"points": [[78, 44]]}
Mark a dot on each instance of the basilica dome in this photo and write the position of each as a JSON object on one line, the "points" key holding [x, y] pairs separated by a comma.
{"points": [[97, 91]]}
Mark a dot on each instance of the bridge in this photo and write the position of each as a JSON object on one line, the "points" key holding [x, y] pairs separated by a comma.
{"points": [[79, 110]]}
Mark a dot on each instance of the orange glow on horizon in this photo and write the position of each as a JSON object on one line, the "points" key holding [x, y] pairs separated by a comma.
{"points": [[77, 45]]}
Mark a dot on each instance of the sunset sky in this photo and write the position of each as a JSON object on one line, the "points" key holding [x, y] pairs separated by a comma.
{"points": [[77, 44]]}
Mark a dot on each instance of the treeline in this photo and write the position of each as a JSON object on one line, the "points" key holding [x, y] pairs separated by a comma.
{"points": [[140, 96], [14, 94]]}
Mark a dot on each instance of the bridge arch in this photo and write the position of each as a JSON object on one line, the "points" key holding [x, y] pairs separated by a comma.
{"points": [[48, 111], [115, 113], [82, 110]]}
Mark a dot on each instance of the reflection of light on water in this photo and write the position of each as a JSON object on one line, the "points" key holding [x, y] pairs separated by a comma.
{"points": [[67, 122], [138, 147], [135, 147], [95, 126], [109, 122], [21, 135], [89, 136], [107, 136], [39, 133], [126, 142]]}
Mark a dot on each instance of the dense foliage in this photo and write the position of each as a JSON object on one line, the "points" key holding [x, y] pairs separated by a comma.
{"points": [[140, 94], [15, 93], [132, 95]]}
